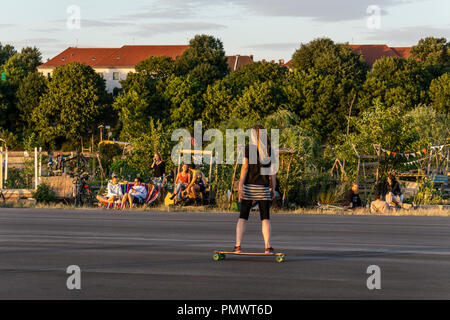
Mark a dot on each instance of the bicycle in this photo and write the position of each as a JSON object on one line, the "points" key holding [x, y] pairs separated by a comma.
{"points": [[2, 198], [81, 192]]}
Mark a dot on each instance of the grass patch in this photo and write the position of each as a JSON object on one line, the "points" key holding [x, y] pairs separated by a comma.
{"points": [[432, 211]]}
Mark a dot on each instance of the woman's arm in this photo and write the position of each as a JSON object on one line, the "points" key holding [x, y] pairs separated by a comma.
{"points": [[273, 179], [191, 183], [244, 171]]}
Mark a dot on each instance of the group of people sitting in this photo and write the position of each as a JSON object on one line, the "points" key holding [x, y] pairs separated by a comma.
{"points": [[136, 195], [138, 192], [188, 185], [393, 199]]}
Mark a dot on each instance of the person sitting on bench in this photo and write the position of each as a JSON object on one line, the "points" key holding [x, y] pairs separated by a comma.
{"points": [[114, 191], [136, 195]]}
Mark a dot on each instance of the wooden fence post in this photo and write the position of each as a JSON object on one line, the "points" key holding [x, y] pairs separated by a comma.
{"points": [[6, 164], [36, 178]]}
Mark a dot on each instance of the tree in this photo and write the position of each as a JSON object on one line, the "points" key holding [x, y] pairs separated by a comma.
{"points": [[396, 81], [321, 102], [328, 58], [155, 138], [434, 53], [427, 126], [328, 78], [440, 93], [395, 130], [204, 59], [6, 52], [133, 114], [219, 100], [9, 114], [29, 94], [255, 72], [21, 64], [75, 104], [221, 97], [259, 100], [158, 67], [183, 100], [376, 125]]}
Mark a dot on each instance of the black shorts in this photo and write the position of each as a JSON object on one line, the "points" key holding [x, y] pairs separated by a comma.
{"points": [[264, 209]]}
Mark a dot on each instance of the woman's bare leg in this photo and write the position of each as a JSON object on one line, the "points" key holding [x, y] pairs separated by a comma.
{"points": [[101, 198], [130, 199], [124, 201], [266, 230], [240, 230]]}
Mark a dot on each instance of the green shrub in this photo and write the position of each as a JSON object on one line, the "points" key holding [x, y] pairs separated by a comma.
{"points": [[44, 193], [17, 179], [123, 168], [427, 193], [107, 153]]}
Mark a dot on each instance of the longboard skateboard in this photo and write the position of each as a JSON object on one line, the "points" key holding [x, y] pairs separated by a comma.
{"points": [[220, 255]]}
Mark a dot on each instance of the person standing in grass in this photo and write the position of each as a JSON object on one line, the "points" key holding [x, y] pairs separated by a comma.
{"points": [[257, 183], [159, 167]]}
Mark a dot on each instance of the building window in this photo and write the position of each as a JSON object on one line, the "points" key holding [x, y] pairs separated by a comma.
{"points": [[115, 76]]}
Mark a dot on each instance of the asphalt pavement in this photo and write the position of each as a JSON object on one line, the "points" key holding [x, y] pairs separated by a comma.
{"points": [[167, 255]]}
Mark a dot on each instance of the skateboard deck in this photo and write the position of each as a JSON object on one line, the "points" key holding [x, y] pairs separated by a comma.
{"points": [[220, 255]]}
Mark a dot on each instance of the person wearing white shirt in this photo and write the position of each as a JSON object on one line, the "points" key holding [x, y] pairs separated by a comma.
{"points": [[114, 190], [136, 195], [379, 206]]}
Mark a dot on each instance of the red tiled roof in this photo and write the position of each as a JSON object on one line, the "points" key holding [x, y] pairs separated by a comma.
{"points": [[89, 56], [127, 56], [237, 62], [372, 53], [403, 52]]}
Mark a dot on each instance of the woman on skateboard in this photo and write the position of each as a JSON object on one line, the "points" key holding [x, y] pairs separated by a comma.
{"points": [[254, 185]]}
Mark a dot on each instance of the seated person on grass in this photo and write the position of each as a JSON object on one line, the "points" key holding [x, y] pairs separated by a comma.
{"points": [[196, 186], [379, 206], [114, 191], [136, 195], [394, 194], [351, 198]]}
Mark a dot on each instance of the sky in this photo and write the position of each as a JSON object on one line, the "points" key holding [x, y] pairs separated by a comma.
{"points": [[267, 29]]}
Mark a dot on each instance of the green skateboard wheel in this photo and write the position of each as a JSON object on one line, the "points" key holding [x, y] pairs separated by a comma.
{"points": [[216, 257], [280, 258], [222, 256]]}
